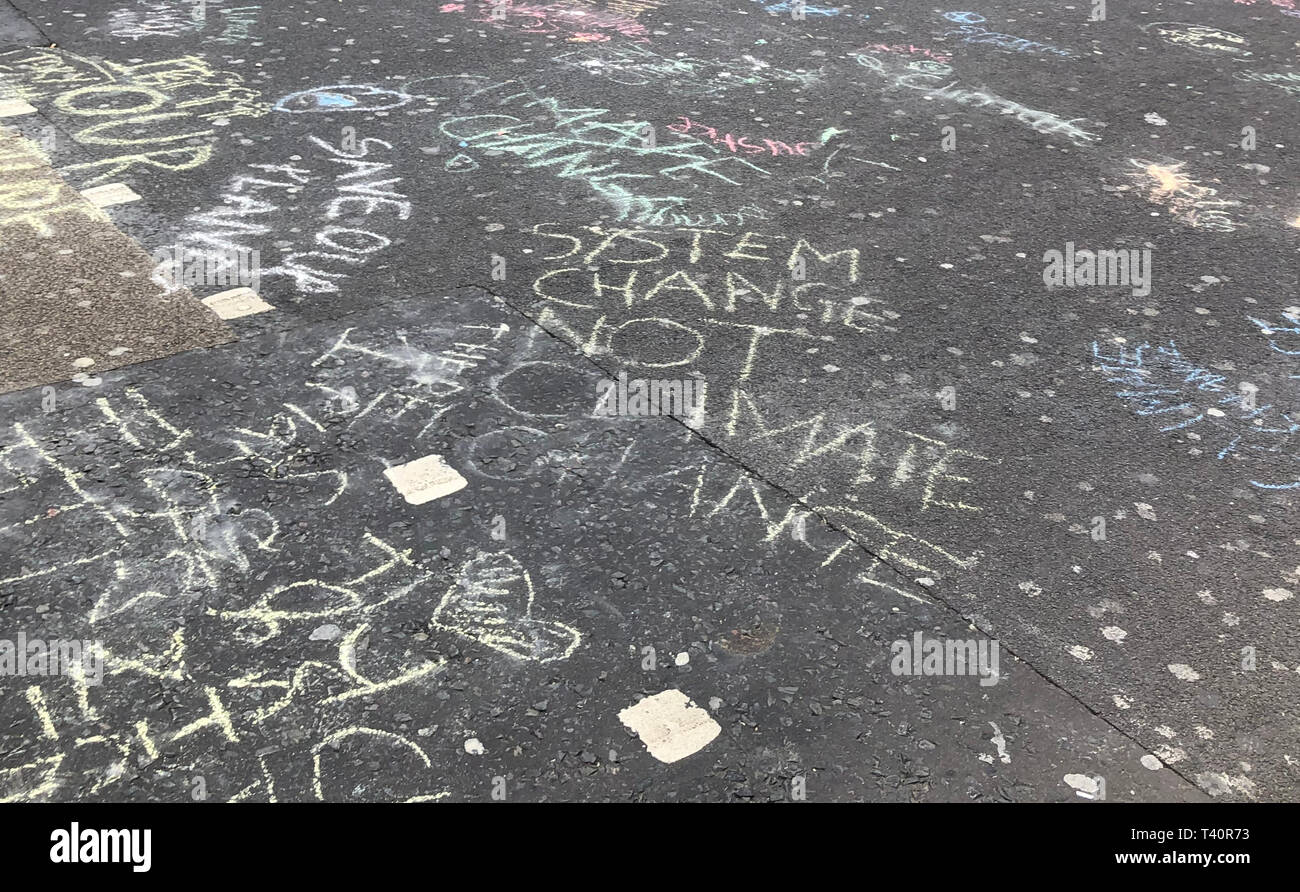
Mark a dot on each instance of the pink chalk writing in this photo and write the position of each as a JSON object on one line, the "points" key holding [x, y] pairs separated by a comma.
{"points": [[906, 49], [575, 25], [740, 144]]}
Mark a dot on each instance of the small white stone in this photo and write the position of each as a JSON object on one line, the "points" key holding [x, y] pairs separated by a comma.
{"points": [[1184, 672]]}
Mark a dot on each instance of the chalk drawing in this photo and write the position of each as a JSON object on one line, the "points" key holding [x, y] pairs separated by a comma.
{"points": [[153, 18], [182, 534], [342, 98], [1159, 382], [1285, 7], [1200, 38], [491, 602], [927, 77], [1288, 81], [788, 7], [154, 106], [354, 185], [575, 24], [973, 33], [744, 144], [608, 157], [1166, 183], [905, 49]]}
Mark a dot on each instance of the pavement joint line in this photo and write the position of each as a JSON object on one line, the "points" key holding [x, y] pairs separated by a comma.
{"points": [[788, 35], [758, 475], [781, 489]]}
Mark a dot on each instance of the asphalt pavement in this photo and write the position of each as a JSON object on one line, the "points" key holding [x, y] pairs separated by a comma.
{"points": [[634, 400]]}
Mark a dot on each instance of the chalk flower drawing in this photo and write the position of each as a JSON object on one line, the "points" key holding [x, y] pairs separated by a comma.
{"points": [[1167, 184]]}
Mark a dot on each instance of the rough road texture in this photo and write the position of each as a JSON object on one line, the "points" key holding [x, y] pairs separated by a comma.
{"points": [[835, 226], [76, 294]]}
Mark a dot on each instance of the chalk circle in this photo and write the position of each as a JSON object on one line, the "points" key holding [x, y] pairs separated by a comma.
{"points": [[928, 67], [415, 87], [331, 235], [869, 60], [509, 453], [341, 765], [342, 97], [305, 599], [491, 129], [649, 343], [544, 389]]}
